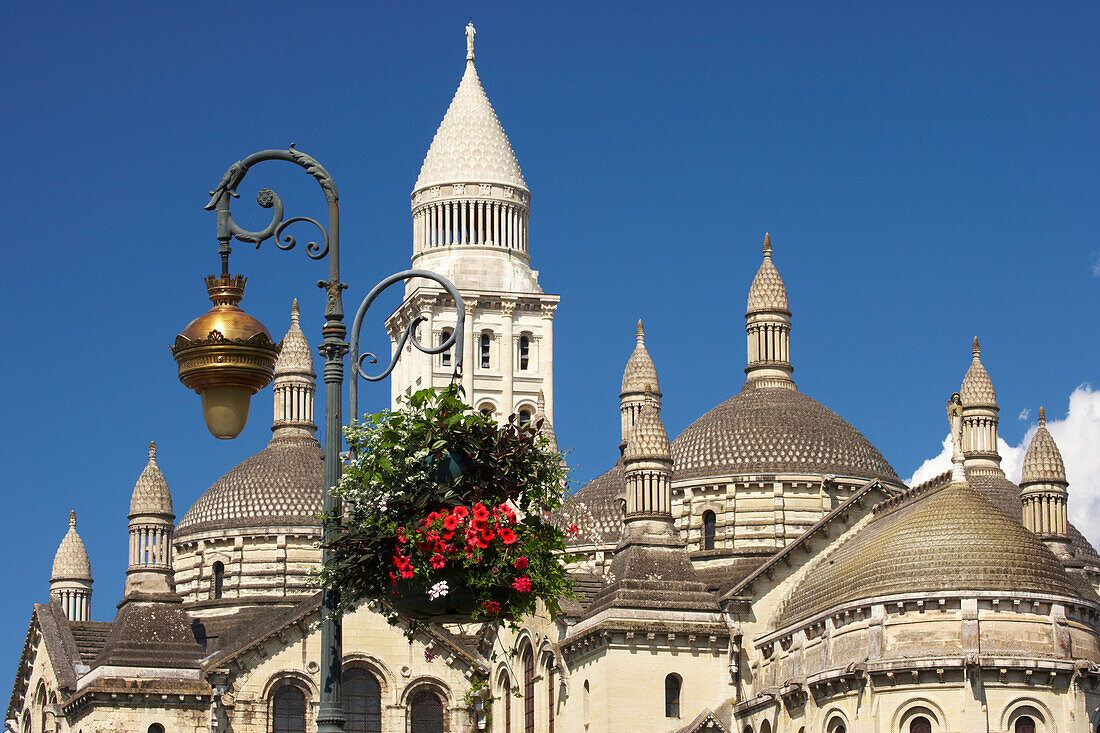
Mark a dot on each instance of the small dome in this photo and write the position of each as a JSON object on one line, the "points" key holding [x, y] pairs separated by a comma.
{"points": [[977, 388], [1043, 462], [648, 439], [279, 486], [950, 540], [71, 561], [151, 494], [600, 498], [470, 144], [295, 356], [767, 292], [772, 430], [640, 370]]}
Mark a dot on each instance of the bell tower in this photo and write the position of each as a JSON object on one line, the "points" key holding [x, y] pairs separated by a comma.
{"points": [[470, 212]]}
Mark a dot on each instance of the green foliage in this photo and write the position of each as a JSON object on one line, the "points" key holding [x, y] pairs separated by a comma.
{"points": [[411, 518]]}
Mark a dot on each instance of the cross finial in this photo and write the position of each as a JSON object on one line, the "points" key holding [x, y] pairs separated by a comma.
{"points": [[470, 33], [72, 519]]}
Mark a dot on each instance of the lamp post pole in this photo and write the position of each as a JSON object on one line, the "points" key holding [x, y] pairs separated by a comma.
{"points": [[330, 715]]}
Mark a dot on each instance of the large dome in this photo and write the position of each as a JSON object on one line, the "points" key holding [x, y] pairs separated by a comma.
{"points": [[279, 486], [775, 430], [949, 540]]}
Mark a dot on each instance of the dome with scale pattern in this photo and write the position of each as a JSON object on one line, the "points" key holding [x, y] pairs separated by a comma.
{"points": [[71, 560]]}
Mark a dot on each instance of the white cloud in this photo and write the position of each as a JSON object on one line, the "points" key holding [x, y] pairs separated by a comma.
{"points": [[1078, 439], [1024, 414], [1096, 267]]}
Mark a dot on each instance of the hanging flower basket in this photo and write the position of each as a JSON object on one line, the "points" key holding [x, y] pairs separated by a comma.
{"points": [[444, 515]]}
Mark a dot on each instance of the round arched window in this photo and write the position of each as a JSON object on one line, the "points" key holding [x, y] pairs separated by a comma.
{"points": [[709, 524], [288, 710], [1024, 724], [672, 696], [920, 724], [362, 699], [426, 713]]}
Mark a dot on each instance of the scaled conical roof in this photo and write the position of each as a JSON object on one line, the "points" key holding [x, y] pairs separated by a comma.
{"points": [[470, 144], [151, 494], [767, 292], [295, 356], [546, 430], [977, 388], [648, 439], [1043, 462], [71, 560], [640, 370]]}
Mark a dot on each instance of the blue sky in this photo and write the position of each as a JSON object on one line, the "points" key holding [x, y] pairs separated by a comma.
{"points": [[927, 172]]}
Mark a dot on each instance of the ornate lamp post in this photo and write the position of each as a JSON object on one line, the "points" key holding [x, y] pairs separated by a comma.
{"points": [[227, 356]]}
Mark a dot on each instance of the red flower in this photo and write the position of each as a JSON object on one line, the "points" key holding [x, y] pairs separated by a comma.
{"points": [[450, 522], [488, 535], [401, 535], [522, 584], [521, 563], [437, 562], [393, 579], [490, 606], [479, 524], [461, 512], [480, 512], [406, 571], [507, 536], [572, 530]]}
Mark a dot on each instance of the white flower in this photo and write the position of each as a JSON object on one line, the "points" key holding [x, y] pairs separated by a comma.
{"points": [[438, 590], [382, 505]]}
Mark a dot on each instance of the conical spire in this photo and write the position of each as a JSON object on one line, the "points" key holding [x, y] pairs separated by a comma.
{"points": [[767, 292], [71, 560], [1043, 461], [977, 388], [295, 384], [151, 494], [546, 430], [649, 439], [470, 144], [640, 371]]}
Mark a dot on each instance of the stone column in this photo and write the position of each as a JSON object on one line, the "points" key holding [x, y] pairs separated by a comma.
{"points": [[507, 352], [546, 358], [468, 351]]}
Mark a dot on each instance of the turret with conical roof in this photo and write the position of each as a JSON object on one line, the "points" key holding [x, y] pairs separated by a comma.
{"points": [[295, 384], [71, 579], [979, 401], [151, 518], [768, 327], [1044, 490], [647, 472], [639, 374]]}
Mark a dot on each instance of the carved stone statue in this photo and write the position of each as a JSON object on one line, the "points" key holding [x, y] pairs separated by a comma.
{"points": [[954, 418], [470, 33]]}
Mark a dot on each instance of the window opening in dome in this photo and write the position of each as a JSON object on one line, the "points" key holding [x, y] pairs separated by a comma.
{"points": [[672, 696], [289, 710], [709, 522], [426, 713], [219, 579], [485, 340], [445, 357], [524, 352], [362, 697], [1024, 725], [920, 725]]}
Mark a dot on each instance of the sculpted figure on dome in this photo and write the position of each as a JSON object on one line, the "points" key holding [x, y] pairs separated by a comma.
{"points": [[470, 33], [954, 418]]}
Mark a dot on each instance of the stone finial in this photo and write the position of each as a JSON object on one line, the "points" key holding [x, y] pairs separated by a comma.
{"points": [[540, 404], [976, 350], [470, 33], [767, 245], [294, 313], [1042, 416], [639, 333], [72, 518], [152, 451]]}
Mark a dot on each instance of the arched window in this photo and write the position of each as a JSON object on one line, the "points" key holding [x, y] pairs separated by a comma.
{"points": [[288, 710], [528, 692], [506, 693], [587, 708], [426, 713], [219, 579], [40, 703], [550, 711], [836, 725], [765, 727], [709, 522], [486, 339], [486, 409], [156, 728], [920, 724], [1024, 725], [524, 417], [672, 696], [524, 352], [445, 357], [747, 729], [362, 696]]}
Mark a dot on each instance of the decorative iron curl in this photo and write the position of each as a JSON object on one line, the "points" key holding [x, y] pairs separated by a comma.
{"points": [[314, 250], [408, 334]]}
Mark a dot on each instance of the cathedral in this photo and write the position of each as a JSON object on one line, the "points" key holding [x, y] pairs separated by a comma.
{"points": [[766, 571]]}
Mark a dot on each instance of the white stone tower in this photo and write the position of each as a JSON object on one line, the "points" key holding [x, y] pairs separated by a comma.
{"points": [[768, 327], [470, 209], [1044, 490], [979, 401], [151, 518], [640, 385], [71, 579], [294, 385], [647, 472]]}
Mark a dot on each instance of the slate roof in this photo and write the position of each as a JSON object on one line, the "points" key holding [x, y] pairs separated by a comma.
{"points": [[772, 430], [280, 485]]}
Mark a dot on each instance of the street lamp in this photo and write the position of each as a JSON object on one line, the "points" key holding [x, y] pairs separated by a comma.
{"points": [[226, 356]]}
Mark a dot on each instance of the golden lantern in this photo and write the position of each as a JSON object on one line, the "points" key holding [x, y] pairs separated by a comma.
{"points": [[226, 356]]}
